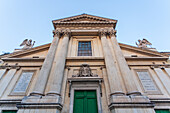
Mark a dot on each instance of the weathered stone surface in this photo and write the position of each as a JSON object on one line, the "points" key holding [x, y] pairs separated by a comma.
{"points": [[118, 87]]}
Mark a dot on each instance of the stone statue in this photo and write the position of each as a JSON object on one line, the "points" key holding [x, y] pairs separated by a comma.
{"points": [[27, 44], [85, 71], [143, 43]]}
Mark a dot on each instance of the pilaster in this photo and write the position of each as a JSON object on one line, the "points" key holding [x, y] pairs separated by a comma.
{"points": [[46, 67], [133, 100], [112, 72], [55, 87]]}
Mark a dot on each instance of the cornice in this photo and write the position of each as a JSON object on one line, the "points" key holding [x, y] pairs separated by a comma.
{"points": [[15, 54], [77, 24], [17, 67], [157, 55], [86, 16], [23, 59], [93, 22], [146, 58], [146, 51], [78, 21]]}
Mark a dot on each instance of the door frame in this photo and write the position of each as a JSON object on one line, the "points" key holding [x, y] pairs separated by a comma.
{"points": [[85, 86]]}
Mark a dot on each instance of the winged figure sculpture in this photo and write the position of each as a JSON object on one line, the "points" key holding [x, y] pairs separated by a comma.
{"points": [[143, 43], [27, 44]]}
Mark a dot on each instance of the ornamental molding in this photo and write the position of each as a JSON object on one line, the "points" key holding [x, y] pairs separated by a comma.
{"points": [[103, 32], [109, 32], [161, 66], [66, 32], [85, 71], [85, 18], [57, 32], [112, 33], [8, 67]]}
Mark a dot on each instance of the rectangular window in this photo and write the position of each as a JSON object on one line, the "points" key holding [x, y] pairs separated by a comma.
{"points": [[23, 82], [147, 82], [84, 48]]}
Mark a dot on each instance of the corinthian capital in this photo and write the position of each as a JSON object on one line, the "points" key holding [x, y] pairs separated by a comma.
{"points": [[57, 32], [112, 32], [66, 32], [103, 32]]}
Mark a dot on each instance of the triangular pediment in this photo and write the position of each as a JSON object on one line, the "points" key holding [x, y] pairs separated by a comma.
{"points": [[84, 18], [40, 51], [129, 50]]}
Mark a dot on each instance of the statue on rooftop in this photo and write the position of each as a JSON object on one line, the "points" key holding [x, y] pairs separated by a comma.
{"points": [[143, 43], [27, 44]]}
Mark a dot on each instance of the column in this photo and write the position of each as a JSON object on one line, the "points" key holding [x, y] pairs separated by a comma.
{"points": [[112, 72], [164, 78], [123, 66], [64, 84], [6, 80], [56, 84], [107, 87], [168, 71], [2, 72], [46, 67]]}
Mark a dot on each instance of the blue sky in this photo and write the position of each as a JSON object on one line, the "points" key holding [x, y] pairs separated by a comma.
{"points": [[32, 19]]}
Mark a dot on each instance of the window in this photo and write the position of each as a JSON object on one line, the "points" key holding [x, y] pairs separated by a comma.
{"points": [[23, 82], [84, 48]]}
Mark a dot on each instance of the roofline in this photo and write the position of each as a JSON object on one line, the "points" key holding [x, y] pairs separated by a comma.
{"points": [[85, 14], [144, 50], [115, 21], [18, 53], [45, 46]]}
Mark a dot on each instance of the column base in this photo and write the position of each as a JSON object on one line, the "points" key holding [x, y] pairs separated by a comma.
{"points": [[118, 93], [43, 110], [36, 93], [134, 93], [38, 103], [130, 102], [52, 93], [133, 110]]}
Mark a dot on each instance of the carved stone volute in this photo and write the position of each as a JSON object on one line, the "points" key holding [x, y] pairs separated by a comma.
{"points": [[112, 32], [103, 32], [57, 32], [66, 32]]}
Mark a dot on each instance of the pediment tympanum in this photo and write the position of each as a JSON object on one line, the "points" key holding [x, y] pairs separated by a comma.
{"points": [[85, 19]]}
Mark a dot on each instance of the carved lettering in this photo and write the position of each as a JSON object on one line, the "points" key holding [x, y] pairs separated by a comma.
{"points": [[146, 81], [23, 82]]}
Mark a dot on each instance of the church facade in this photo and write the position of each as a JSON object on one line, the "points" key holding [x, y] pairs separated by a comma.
{"points": [[85, 70]]}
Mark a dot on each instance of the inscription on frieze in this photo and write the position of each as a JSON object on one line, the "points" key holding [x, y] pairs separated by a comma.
{"points": [[23, 82], [146, 81]]}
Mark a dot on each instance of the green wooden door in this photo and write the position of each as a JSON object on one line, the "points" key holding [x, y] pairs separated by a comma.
{"points": [[85, 102], [162, 111], [9, 111]]}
